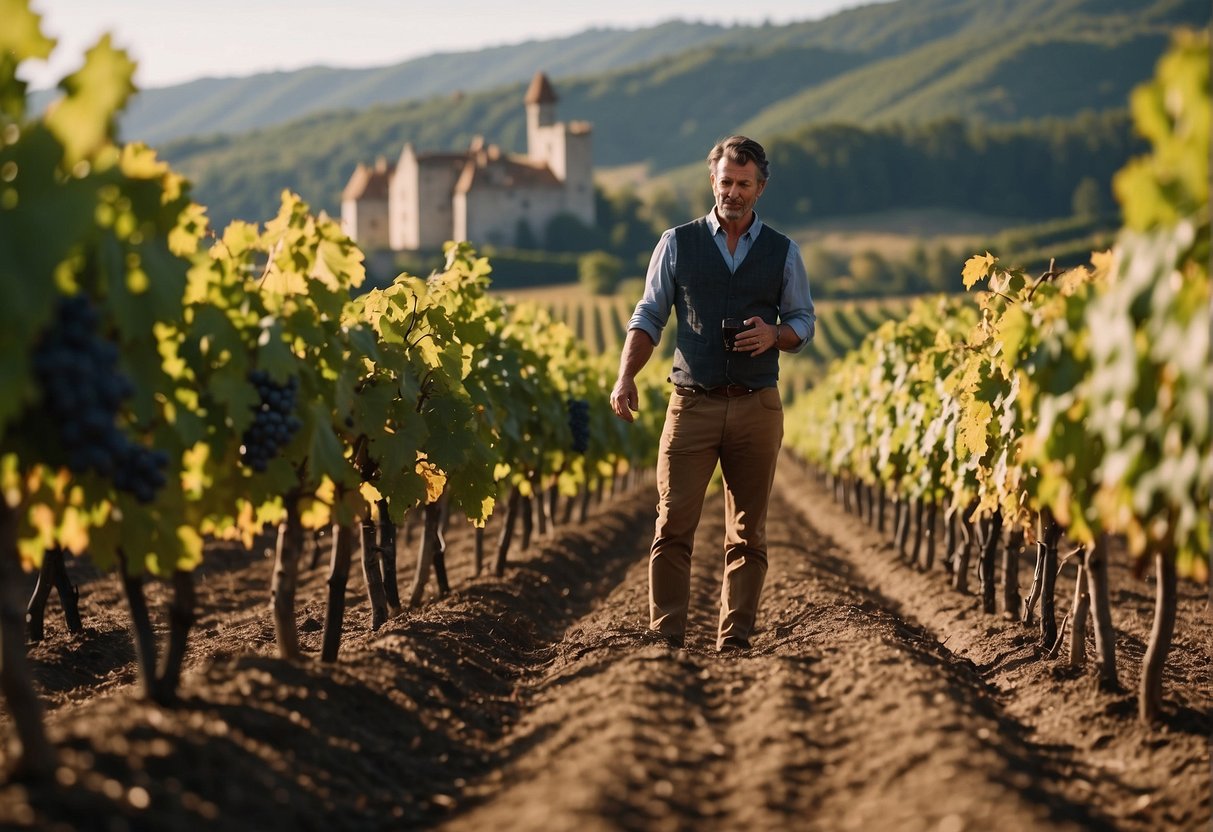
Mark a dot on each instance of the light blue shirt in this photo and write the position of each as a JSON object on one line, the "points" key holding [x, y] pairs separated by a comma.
{"points": [[795, 301]]}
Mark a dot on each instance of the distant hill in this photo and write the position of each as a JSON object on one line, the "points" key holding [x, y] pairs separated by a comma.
{"points": [[237, 105], [905, 61]]}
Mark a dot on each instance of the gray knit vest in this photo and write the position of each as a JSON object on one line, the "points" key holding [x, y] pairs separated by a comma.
{"points": [[705, 293]]}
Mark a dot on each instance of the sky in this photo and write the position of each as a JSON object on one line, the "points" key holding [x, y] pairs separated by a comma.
{"points": [[175, 40]]}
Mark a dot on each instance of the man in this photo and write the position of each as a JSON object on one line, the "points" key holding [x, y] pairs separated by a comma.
{"points": [[725, 405]]}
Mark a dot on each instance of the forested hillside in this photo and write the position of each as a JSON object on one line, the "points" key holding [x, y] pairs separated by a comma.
{"points": [[1029, 170], [869, 33], [911, 61], [236, 105]]}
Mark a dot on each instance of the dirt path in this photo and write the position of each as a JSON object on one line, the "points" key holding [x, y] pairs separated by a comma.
{"points": [[841, 717], [538, 702]]}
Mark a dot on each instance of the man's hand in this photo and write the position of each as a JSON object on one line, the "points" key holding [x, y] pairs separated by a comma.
{"points": [[637, 349], [758, 337], [625, 398]]}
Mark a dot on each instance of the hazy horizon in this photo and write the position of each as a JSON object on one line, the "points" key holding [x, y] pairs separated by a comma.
{"points": [[171, 47]]}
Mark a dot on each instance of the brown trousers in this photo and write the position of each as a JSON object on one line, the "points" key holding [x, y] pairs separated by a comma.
{"points": [[744, 435]]}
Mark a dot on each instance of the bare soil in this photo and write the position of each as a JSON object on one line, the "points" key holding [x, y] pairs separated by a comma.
{"points": [[874, 697]]}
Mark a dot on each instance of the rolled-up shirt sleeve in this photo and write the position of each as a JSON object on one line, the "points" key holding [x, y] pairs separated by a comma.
{"points": [[653, 310], [796, 301]]}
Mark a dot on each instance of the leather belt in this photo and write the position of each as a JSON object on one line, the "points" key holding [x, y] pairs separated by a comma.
{"points": [[724, 391]]}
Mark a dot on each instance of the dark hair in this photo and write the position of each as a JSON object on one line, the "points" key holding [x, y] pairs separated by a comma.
{"points": [[741, 150]]}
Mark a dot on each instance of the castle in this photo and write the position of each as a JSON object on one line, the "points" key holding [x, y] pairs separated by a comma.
{"points": [[481, 195]]}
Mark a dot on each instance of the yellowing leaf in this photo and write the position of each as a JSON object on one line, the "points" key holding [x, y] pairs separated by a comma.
{"points": [[73, 530], [191, 548], [1011, 332], [21, 35], [316, 513], [339, 266], [284, 282], [435, 480], [977, 267], [184, 239], [430, 353], [239, 237], [971, 379], [369, 493], [83, 119], [138, 161], [486, 509], [972, 439]]}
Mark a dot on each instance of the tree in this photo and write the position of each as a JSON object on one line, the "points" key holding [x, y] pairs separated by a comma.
{"points": [[871, 273], [565, 232], [599, 272], [1088, 200], [944, 272], [524, 237], [824, 265], [665, 209]]}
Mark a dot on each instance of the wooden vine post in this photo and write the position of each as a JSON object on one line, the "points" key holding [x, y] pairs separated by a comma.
{"points": [[286, 578], [36, 756]]}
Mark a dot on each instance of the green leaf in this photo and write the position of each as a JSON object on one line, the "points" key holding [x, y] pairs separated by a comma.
{"points": [[230, 387], [273, 354], [326, 456], [397, 451]]}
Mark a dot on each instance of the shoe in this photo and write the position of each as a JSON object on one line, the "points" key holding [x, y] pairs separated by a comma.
{"points": [[733, 644], [674, 642]]}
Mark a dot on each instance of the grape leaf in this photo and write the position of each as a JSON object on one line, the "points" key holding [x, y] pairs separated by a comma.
{"points": [[976, 268], [83, 119]]}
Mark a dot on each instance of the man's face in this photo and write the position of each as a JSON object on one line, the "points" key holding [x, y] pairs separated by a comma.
{"points": [[736, 188]]}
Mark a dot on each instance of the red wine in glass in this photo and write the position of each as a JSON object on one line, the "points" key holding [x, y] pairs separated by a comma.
{"points": [[729, 328]]}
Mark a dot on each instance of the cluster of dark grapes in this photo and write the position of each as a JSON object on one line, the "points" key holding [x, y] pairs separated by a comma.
{"points": [[275, 421], [82, 393], [579, 424]]}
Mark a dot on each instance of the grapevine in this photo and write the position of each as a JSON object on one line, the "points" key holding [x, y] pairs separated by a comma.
{"points": [[1077, 402], [274, 422], [579, 424]]}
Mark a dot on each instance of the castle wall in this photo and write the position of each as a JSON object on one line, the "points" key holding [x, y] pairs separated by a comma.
{"points": [[491, 215], [435, 208], [403, 196], [366, 221], [578, 175]]}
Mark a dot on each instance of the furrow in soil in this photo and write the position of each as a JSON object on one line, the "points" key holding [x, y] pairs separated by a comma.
{"points": [[841, 716]]}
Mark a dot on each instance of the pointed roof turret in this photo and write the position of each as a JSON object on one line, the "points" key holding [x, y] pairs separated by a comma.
{"points": [[540, 91], [369, 182]]}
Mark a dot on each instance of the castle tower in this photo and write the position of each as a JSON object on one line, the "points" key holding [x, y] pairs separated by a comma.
{"points": [[563, 148], [540, 117], [480, 194]]}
